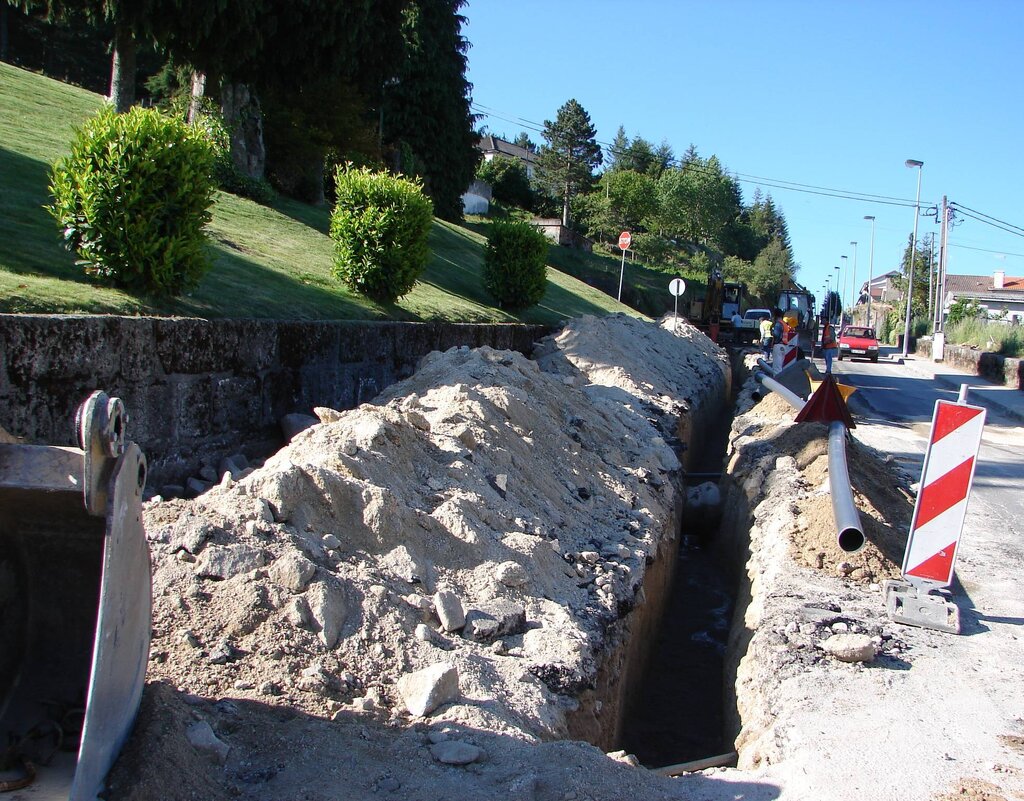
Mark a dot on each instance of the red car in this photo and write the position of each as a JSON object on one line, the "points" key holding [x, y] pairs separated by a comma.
{"points": [[858, 342]]}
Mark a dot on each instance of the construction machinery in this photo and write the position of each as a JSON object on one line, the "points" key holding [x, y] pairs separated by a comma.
{"points": [[797, 305], [75, 605], [721, 300]]}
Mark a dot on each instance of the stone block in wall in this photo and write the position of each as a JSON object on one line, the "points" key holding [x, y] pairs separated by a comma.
{"points": [[299, 344], [237, 403], [192, 346], [192, 406]]}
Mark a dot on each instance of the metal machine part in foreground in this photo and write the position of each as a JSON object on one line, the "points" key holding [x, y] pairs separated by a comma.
{"points": [[75, 605]]}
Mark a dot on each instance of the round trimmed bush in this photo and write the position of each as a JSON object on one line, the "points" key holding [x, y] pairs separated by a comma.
{"points": [[132, 199], [515, 269], [380, 226]]}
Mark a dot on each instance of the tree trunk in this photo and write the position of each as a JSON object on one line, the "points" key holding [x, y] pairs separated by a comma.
{"points": [[244, 118], [3, 32], [197, 93], [122, 74]]}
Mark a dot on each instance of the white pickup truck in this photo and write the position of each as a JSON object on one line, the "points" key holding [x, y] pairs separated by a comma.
{"points": [[750, 331]]}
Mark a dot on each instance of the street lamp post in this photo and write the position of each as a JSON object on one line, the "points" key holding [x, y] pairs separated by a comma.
{"points": [[871, 264], [853, 283], [845, 272], [830, 315], [913, 254]]}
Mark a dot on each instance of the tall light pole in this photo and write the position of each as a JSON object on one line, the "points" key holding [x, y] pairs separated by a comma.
{"points": [[830, 315], [871, 264], [913, 254], [845, 272], [853, 283]]}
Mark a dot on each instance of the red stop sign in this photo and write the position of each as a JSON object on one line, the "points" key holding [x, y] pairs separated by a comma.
{"points": [[625, 240]]}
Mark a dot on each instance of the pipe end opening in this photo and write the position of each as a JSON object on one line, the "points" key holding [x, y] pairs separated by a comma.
{"points": [[851, 540]]}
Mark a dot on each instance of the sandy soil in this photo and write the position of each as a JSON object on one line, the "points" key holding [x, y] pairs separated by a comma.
{"points": [[496, 516]]}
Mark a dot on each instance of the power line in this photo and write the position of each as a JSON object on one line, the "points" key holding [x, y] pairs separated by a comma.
{"points": [[985, 250], [989, 216], [775, 183], [1008, 228]]}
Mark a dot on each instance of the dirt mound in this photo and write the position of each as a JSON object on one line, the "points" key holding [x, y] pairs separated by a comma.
{"points": [[450, 558]]}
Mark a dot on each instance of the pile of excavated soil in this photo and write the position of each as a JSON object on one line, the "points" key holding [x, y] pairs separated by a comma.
{"points": [[412, 596]]}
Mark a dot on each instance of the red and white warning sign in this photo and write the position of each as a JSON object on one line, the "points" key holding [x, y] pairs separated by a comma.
{"points": [[783, 356], [945, 487]]}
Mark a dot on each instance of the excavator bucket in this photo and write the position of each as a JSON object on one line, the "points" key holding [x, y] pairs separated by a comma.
{"points": [[75, 606]]}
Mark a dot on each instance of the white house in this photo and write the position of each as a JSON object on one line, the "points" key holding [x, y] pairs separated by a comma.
{"points": [[996, 293], [492, 146]]}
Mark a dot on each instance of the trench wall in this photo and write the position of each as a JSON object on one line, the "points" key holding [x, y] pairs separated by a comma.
{"points": [[604, 709], [197, 390]]}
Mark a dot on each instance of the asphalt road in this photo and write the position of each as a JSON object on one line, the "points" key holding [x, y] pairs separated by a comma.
{"points": [[893, 408]]}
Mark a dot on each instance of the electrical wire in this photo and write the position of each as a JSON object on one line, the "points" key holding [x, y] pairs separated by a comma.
{"points": [[1010, 230], [988, 216], [775, 183], [985, 250]]}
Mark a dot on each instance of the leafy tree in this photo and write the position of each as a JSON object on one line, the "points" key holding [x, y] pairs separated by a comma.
{"points": [[697, 201], [565, 165], [772, 269], [507, 178], [428, 108], [624, 201], [919, 305]]}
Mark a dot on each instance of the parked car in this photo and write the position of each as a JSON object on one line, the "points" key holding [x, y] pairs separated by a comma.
{"points": [[751, 322], [858, 342]]}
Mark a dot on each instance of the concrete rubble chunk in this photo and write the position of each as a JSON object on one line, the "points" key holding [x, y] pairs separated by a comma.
{"points": [[191, 533], [328, 608], [201, 737], [850, 647], [511, 574], [293, 571], [224, 562], [449, 610], [425, 690], [455, 752], [327, 415], [493, 619]]}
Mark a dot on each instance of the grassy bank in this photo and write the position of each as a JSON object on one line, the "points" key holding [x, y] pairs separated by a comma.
{"points": [[267, 262]]}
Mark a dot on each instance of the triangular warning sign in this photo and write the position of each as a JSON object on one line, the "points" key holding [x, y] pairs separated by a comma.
{"points": [[826, 405]]}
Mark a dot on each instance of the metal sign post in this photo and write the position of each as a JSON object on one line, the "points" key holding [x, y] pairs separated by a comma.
{"points": [[625, 240], [677, 286], [938, 517]]}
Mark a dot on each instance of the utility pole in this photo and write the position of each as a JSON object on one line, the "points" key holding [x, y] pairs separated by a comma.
{"points": [[940, 281], [931, 282]]}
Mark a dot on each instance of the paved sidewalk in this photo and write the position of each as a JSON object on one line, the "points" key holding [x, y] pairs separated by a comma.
{"points": [[982, 392]]}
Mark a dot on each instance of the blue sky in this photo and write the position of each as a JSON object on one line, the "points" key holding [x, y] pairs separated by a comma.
{"points": [[828, 94]]}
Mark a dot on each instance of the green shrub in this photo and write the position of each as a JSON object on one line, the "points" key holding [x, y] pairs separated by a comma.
{"points": [[380, 226], [507, 177], [132, 198], [515, 272], [964, 309]]}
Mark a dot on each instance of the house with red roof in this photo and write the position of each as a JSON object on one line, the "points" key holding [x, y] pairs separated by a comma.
{"points": [[996, 293]]}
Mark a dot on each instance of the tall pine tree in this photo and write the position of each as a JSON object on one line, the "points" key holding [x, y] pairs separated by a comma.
{"points": [[426, 112], [566, 164]]}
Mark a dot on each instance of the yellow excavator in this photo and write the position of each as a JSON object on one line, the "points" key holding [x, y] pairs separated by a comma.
{"points": [[75, 605]]}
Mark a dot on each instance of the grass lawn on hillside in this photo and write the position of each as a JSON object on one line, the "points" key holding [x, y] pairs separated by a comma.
{"points": [[267, 262]]}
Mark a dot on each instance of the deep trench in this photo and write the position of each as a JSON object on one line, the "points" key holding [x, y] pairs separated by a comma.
{"points": [[678, 711]]}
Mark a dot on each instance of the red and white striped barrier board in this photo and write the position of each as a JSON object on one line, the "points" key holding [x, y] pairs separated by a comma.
{"points": [[783, 356], [942, 500]]}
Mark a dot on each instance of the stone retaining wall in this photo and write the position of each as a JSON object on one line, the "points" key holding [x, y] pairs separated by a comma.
{"points": [[196, 390], [1001, 369]]}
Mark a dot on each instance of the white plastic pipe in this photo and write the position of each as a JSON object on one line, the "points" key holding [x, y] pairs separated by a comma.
{"points": [[849, 532], [790, 397]]}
